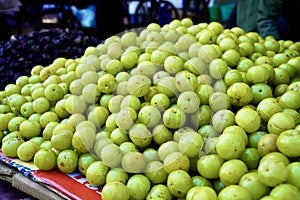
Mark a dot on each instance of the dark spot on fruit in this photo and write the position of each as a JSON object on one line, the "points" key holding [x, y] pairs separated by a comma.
{"points": [[249, 179], [267, 169]]}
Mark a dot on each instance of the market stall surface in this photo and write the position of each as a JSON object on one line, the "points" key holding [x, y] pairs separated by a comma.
{"points": [[8, 192]]}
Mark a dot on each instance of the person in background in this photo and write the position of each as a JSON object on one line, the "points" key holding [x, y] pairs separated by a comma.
{"points": [[277, 18]]}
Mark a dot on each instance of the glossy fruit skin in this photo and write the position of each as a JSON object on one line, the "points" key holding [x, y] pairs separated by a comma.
{"points": [[96, 173], [45, 159], [30, 129], [231, 171], [261, 91], [201, 117], [267, 144], [257, 74], [185, 81], [234, 192], [10, 147], [149, 115], [209, 166], [218, 101], [293, 169], [139, 186], [115, 190], [53, 92], [84, 162], [285, 190], [250, 123], [26, 150], [67, 161], [201, 192], [140, 135], [251, 158], [155, 172], [125, 118], [230, 146], [280, 122], [201, 181], [159, 191], [272, 172], [287, 142], [179, 182], [174, 118], [190, 144], [188, 101], [133, 162], [267, 107], [251, 182], [240, 94], [222, 119]]}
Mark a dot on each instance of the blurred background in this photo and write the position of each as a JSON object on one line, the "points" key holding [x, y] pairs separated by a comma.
{"points": [[104, 18]]}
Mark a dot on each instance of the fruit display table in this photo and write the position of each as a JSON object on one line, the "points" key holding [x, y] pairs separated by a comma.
{"points": [[52, 185]]}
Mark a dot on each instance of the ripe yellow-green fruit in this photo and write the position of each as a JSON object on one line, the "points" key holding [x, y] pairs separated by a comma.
{"points": [[179, 111], [240, 94], [248, 119]]}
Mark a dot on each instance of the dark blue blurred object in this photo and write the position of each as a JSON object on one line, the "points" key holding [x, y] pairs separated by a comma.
{"points": [[8, 192], [165, 15], [21, 53]]}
